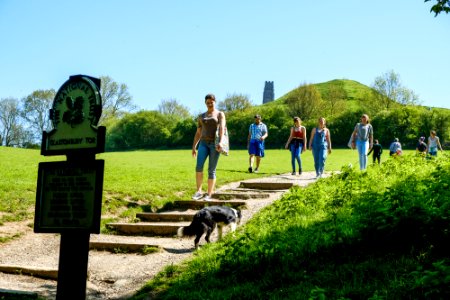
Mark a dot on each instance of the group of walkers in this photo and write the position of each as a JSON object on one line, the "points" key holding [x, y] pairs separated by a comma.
{"points": [[210, 140]]}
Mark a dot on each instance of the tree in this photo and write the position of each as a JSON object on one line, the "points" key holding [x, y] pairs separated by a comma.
{"points": [[335, 99], [144, 129], [173, 109], [389, 90], [234, 102], [440, 6], [116, 100], [12, 131], [36, 111], [305, 102]]}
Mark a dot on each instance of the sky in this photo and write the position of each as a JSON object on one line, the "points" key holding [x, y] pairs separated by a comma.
{"points": [[183, 50]]}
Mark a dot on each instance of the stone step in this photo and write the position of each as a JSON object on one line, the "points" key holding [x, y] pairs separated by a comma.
{"points": [[198, 204], [246, 190], [266, 185], [146, 229], [242, 196], [118, 247], [44, 273], [166, 217]]}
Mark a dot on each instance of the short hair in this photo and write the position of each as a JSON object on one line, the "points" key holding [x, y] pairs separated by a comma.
{"points": [[210, 96]]}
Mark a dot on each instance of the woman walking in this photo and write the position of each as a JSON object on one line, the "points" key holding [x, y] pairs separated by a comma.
{"points": [[433, 143], [363, 140], [320, 145], [297, 144], [207, 124]]}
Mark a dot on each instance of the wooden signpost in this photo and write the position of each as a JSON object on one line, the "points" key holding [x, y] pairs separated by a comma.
{"points": [[69, 193]]}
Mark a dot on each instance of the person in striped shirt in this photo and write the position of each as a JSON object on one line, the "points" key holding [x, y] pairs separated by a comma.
{"points": [[257, 133]]}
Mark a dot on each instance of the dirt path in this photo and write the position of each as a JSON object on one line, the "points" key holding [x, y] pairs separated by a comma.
{"points": [[111, 275]]}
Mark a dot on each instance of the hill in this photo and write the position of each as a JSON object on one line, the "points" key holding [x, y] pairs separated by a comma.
{"points": [[354, 90]]}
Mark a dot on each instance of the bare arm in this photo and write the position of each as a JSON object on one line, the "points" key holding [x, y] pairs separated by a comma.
{"points": [[290, 138], [304, 138], [327, 136], [197, 136], [312, 137], [221, 128]]}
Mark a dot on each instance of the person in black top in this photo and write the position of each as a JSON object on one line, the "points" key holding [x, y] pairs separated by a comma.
{"points": [[377, 150], [421, 148]]}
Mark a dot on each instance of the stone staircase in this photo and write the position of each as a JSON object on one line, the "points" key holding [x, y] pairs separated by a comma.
{"points": [[181, 213], [156, 232]]}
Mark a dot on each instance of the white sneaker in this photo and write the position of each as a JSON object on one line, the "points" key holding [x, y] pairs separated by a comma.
{"points": [[197, 196], [256, 170], [293, 173], [207, 198]]}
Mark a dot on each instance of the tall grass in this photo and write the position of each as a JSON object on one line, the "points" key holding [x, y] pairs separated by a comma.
{"points": [[380, 234]]}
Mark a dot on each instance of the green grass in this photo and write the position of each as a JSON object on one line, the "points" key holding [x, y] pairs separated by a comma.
{"points": [[142, 180], [380, 234]]}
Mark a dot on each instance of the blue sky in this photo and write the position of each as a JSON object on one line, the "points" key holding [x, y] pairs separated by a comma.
{"points": [[185, 49]]}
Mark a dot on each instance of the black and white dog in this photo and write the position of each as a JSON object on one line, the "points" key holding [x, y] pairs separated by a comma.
{"points": [[206, 219]]}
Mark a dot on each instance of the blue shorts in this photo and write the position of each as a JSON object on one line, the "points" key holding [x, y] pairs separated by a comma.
{"points": [[256, 147]]}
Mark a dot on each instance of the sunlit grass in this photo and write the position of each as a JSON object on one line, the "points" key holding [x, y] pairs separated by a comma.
{"points": [[144, 180]]}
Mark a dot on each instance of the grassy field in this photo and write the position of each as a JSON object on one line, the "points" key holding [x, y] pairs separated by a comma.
{"points": [[142, 180]]}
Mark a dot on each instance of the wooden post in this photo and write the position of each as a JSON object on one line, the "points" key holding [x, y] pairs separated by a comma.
{"points": [[73, 265]]}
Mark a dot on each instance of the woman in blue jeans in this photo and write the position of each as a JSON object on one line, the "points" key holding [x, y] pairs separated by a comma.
{"points": [[297, 144], [363, 140], [320, 144], [205, 136]]}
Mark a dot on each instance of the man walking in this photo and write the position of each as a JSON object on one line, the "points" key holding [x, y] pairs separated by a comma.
{"points": [[257, 133]]}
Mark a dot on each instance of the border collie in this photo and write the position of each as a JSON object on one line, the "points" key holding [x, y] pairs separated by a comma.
{"points": [[206, 219]]}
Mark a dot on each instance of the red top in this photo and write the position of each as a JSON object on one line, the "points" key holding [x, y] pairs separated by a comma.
{"points": [[298, 132]]}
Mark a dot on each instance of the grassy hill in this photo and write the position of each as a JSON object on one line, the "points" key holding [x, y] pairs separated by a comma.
{"points": [[354, 91]]}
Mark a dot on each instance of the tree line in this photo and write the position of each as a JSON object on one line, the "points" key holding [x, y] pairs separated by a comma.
{"points": [[394, 109]]}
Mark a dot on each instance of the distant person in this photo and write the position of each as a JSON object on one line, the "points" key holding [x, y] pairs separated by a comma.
{"points": [[421, 148], [320, 145], [257, 133], [363, 140], [296, 143], [395, 148], [377, 150], [433, 143], [205, 136]]}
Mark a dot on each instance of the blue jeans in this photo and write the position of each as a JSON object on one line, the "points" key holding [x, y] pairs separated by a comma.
{"points": [[363, 147], [320, 156], [295, 156], [206, 149]]}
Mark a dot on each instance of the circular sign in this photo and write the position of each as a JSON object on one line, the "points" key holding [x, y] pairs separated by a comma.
{"points": [[77, 101]]}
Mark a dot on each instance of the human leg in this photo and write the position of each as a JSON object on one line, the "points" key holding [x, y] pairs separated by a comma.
{"points": [[251, 159], [202, 154], [316, 157], [258, 161], [293, 156], [322, 158], [212, 166], [362, 147], [299, 159]]}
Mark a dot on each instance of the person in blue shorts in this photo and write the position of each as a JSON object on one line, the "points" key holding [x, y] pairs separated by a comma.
{"points": [[257, 133]]}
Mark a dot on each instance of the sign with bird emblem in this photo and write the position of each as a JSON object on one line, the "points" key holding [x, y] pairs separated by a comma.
{"points": [[75, 114]]}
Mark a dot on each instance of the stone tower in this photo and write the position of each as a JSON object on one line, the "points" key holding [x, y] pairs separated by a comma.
{"points": [[269, 94]]}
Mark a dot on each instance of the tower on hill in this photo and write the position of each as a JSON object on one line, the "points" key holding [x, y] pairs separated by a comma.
{"points": [[269, 94]]}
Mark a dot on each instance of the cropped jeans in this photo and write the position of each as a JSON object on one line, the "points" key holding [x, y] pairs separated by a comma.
{"points": [[206, 149], [363, 147]]}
